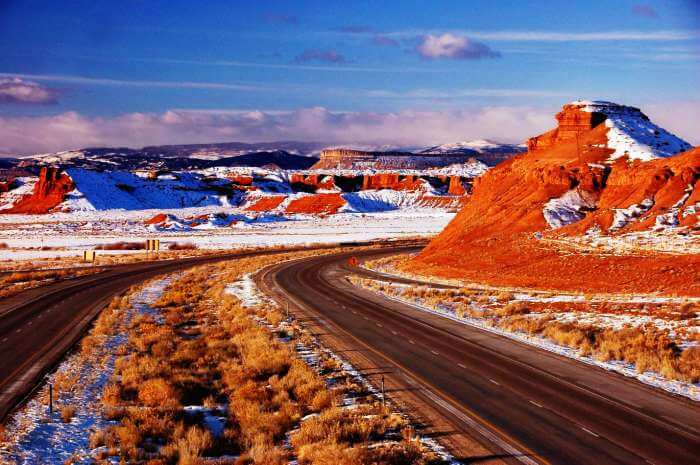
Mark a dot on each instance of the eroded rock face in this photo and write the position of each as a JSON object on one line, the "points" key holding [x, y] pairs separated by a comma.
{"points": [[49, 191], [573, 122]]}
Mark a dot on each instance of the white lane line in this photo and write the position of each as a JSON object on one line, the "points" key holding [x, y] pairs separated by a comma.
{"points": [[355, 312], [589, 431], [495, 382], [19, 330], [434, 352], [380, 325], [412, 341], [4, 339], [485, 432], [365, 318], [394, 333], [536, 404], [461, 365]]}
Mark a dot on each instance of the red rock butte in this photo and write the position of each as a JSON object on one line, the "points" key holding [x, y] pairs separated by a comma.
{"points": [[567, 184]]}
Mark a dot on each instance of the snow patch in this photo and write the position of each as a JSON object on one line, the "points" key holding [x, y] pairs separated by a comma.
{"points": [[631, 133], [569, 208]]}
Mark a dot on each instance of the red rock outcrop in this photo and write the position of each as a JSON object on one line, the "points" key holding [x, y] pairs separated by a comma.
{"points": [[266, 203], [316, 204], [49, 192], [157, 219], [393, 181], [491, 239], [456, 186]]}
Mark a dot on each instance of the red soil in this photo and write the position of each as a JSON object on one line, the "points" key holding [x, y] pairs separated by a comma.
{"points": [[491, 239], [49, 192], [267, 203], [317, 204]]}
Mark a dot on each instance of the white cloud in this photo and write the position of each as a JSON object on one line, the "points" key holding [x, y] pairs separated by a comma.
{"points": [[26, 135], [16, 90], [454, 47]]}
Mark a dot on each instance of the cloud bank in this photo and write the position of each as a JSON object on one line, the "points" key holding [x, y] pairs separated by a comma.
{"points": [[16, 90], [71, 130]]}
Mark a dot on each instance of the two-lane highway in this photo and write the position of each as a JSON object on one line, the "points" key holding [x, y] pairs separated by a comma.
{"points": [[530, 404]]}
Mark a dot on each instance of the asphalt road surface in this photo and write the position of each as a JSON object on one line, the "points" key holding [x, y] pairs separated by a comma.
{"points": [[524, 403]]}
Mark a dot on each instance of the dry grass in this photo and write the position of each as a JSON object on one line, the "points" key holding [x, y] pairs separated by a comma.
{"points": [[206, 349]]}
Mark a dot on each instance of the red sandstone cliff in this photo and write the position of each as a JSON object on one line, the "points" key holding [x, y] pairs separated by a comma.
{"points": [[49, 191], [492, 239]]}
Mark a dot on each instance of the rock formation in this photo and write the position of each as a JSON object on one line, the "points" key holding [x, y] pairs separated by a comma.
{"points": [[568, 184], [49, 191]]}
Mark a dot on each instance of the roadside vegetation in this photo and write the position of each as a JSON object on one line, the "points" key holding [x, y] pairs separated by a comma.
{"points": [[206, 379]]}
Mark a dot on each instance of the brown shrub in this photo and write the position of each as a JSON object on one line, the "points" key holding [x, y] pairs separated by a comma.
{"points": [[513, 308], [158, 392], [67, 413]]}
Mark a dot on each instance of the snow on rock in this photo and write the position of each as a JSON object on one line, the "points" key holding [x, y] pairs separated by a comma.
{"points": [[623, 216], [26, 186], [569, 208], [477, 145], [671, 219], [632, 134]]}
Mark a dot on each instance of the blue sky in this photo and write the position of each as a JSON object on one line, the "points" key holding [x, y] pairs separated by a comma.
{"points": [[252, 70]]}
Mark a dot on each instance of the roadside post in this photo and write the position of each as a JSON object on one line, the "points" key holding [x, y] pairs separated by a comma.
{"points": [[383, 396]]}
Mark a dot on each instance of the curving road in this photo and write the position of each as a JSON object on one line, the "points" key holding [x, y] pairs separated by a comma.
{"points": [[39, 325], [522, 403]]}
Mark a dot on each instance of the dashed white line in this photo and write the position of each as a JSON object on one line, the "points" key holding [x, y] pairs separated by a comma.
{"points": [[412, 341], [495, 382], [4, 339], [394, 333], [536, 404], [589, 431], [434, 352], [461, 365], [380, 325]]}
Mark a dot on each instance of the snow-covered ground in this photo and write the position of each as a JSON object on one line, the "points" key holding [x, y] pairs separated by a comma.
{"points": [[35, 437], [78, 231], [659, 241]]}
